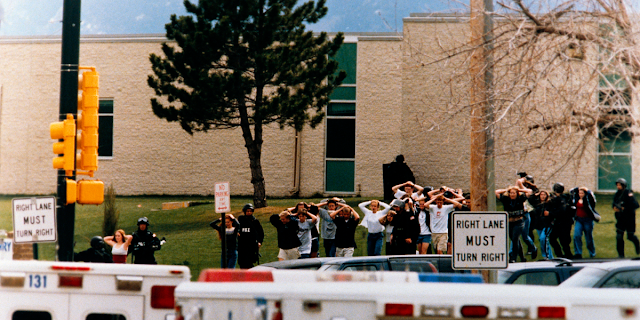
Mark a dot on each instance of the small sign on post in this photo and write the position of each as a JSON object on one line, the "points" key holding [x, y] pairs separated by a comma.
{"points": [[222, 197], [223, 205], [34, 220], [480, 240]]}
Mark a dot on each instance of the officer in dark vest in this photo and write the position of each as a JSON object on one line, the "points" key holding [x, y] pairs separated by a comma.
{"points": [[250, 237], [625, 205], [97, 252], [144, 244]]}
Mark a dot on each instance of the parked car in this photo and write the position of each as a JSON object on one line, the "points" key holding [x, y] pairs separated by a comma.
{"points": [[546, 273], [303, 264], [618, 274], [419, 263]]}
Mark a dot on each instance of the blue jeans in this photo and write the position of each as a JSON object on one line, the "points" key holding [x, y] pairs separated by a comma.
{"points": [[525, 231], [232, 257], [516, 230], [583, 225], [329, 247], [545, 246], [374, 243]]}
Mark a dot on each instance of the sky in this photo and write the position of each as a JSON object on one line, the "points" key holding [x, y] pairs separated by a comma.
{"points": [[43, 17]]}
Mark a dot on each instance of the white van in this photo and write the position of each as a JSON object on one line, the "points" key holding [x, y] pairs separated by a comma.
{"points": [[48, 290]]}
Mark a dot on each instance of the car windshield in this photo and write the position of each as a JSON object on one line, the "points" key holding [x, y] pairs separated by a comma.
{"points": [[585, 278], [503, 275]]}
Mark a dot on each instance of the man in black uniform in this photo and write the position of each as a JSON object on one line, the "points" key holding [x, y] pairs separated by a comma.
{"points": [[624, 206], [144, 244], [560, 208], [406, 228], [250, 237], [96, 253]]}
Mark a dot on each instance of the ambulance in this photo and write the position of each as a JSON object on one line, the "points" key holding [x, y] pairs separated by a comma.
{"points": [[340, 297], [39, 290]]}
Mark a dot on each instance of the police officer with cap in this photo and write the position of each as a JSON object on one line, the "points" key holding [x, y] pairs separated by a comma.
{"points": [[144, 244], [624, 206], [250, 237]]}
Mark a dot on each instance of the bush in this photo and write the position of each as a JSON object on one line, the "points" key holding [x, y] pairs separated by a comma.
{"points": [[111, 213]]}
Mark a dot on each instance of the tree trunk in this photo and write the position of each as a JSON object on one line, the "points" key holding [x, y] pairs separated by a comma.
{"points": [[257, 179], [254, 148]]}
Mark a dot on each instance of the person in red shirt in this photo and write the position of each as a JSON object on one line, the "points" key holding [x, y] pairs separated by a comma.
{"points": [[585, 203]]}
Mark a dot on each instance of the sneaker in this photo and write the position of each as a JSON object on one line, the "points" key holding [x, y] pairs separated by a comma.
{"points": [[534, 254]]}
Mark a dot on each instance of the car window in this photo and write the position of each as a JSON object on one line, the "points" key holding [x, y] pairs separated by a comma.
{"points": [[329, 267], [540, 278], [307, 267], [585, 278], [361, 267], [503, 276], [416, 266], [623, 279]]}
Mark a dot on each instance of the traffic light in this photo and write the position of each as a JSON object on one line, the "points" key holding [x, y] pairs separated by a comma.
{"points": [[64, 130], [72, 191], [90, 192], [88, 83]]}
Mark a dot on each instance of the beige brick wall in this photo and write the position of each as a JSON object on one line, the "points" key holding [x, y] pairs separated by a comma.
{"points": [[150, 155], [405, 105], [379, 110], [435, 133]]}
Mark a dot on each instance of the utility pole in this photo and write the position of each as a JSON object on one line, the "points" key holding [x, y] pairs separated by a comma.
{"points": [[66, 213], [481, 135]]}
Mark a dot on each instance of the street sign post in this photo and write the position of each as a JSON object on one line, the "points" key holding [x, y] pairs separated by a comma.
{"points": [[34, 220], [480, 240], [222, 198], [223, 205]]}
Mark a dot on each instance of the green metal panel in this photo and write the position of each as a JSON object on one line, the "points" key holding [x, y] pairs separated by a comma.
{"points": [[340, 176], [344, 93], [341, 109], [612, 167], [347, 60]]}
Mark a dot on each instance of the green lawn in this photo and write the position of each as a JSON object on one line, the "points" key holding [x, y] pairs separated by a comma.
{"points": [[190, 240]]}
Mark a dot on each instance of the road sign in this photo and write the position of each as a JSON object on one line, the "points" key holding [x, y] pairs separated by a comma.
{"points": [[34, 220], [222, 197], [480, 240]]}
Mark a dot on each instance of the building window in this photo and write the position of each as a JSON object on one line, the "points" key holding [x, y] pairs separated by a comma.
{"points": [[105, 129], [340, 131], [614, 138]]}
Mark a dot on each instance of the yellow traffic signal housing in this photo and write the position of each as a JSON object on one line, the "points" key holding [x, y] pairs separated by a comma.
{"points": [[72, 191], [66, 131], [88, 83], [90, 192]]}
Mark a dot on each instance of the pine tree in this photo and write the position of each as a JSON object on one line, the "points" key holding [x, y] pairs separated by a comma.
{"points": [[247, 64]]}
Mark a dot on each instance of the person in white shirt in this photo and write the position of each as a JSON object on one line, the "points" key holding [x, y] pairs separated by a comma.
{"points": [[439, 215], [371, 221], [410, 188], [424, 219]]}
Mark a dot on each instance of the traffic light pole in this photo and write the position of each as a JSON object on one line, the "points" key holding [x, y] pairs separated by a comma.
{"points": [[66, 213]]}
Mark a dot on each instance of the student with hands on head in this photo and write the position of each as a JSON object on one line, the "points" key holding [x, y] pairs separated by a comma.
{"points": [[346, 220], [371, 221], [120, 245], [408, 188]]}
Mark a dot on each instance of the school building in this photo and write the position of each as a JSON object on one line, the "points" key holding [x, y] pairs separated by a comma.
{"points": [[384, 108]]}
